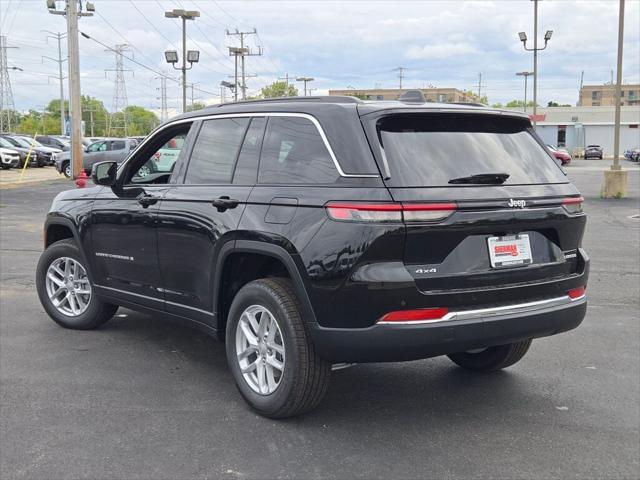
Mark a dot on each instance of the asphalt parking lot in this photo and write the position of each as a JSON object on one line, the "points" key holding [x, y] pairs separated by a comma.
{"points": [[146, 398]]}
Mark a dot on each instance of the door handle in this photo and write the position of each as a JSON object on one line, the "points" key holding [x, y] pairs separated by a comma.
{"points": [[145, 200], [224, 202]]}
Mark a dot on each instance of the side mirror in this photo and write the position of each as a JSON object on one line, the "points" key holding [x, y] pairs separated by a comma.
{"points": [[104, 173]]}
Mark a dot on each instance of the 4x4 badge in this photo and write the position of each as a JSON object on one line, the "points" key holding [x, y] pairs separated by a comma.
{"points": [[517, 203]]}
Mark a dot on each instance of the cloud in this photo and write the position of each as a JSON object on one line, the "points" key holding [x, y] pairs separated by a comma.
{"points": [[440, 50]]}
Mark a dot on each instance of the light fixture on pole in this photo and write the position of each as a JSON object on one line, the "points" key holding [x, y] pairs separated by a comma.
{"points": [[535, 50], [72, 12], [305, 80], [525, 75], [231, 86], [192, 56]]}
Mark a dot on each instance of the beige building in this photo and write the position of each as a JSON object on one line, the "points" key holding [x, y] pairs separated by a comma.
{"points": [[602, 95], [440, 95]]}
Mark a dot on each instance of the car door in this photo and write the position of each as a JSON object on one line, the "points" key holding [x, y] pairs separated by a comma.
{"points": [[123, 231], [199, 215]]}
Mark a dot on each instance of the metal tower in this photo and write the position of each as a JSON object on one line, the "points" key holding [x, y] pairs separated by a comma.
{"points": [[119, 123], [6, 96]]}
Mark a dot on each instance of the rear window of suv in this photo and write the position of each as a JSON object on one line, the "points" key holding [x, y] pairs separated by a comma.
{"points": [[429, 149]]}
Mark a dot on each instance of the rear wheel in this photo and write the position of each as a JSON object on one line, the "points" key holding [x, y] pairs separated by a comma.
{"points": [[491, 358], [65, 290], [269, 352], [67, 170]]}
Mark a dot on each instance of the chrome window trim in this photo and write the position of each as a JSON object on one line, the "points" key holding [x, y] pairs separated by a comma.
{"points": [[496, 311], [308, 116]]}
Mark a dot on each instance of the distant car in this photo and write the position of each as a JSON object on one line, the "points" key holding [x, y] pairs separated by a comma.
{"points": [[22, 153], [560, 154], [54, 142], [8, 158], [112, 149], [36, 157], [46, 151], [632, 154], [593, 151]]}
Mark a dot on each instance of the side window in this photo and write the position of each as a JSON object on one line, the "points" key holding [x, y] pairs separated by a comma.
{"points": [[215, 151], [160, 166], [247, 165], [294, 152], [117, 145], [97, 147]]}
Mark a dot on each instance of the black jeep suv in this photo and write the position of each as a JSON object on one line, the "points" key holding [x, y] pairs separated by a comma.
{"points": [[319, 231]]}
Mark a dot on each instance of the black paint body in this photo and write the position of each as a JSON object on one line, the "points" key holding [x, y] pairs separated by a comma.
{"points": [[347, 275]]}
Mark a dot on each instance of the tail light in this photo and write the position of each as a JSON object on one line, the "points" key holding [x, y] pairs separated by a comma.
{"points": [[415, 316], [573, 205], [577, 293], [389, 212]]}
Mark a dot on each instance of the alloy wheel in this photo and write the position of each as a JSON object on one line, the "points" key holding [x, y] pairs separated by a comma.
{"points": [[260, 349], [68, 286]]}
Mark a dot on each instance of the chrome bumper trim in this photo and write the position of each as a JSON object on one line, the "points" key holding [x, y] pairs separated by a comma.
{"points": [[496, 311]]}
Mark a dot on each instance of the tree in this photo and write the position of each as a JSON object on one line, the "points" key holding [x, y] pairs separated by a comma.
{"points": [[555, 104], [497, 105], [518, 104], [140, 121], [278, 89], [475, 98], [196, 106], [360, 95]]}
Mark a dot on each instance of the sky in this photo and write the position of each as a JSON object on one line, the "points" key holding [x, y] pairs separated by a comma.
{"points": [[341, 44]]}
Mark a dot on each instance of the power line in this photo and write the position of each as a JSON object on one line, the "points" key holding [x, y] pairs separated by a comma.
{"points": [[146, 67]]}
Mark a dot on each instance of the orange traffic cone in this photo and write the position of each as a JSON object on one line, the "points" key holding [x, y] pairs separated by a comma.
{"points": [[81, 181]]}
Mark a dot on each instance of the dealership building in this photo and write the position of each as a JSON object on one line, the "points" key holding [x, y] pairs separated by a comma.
{"points": [[573, 128]]}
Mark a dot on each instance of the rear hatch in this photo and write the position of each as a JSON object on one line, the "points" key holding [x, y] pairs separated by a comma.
{"points": [[485, 205]]}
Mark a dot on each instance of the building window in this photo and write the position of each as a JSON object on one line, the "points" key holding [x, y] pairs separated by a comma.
{"points": [[595, 104], [562, 136], [379, 97], [596, 95], [442, 98], [633, 95]]}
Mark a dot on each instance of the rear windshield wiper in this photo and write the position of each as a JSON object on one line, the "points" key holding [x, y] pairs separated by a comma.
{"points": [[483, 178]]}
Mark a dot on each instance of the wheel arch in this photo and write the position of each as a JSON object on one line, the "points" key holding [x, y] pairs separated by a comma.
{"points": [[274, 257], [60, 228]]}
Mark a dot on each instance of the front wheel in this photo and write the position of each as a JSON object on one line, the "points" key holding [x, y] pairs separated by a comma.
{"points": [[65, 290], [492, 358], [67, 170], [269, 352]]}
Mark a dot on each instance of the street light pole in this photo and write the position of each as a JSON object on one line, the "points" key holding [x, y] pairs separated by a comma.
{"points": [[526, 76], [191, 56], [535, 49], [305, 80]]}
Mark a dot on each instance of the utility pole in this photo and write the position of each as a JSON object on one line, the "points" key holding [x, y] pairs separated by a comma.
{"points": [[192, 56], [615, 180], [72, 14], [236, 52], [580, 92], [525, 75], [535, 49], [164, 116], [59, 36], [305, 80], [120, 101], [243, 52], [286, 79], [193, 85], [91, 110], [6, 95], [479, 85], [400, 71]]}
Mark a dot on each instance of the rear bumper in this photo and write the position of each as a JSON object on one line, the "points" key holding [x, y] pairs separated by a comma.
{"points": [[384, 343]]}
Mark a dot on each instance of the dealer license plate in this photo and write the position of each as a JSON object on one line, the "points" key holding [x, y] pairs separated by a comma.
{"points": [[510, 251]]}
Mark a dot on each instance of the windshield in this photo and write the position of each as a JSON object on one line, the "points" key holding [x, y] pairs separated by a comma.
{"points": [[6, 144], [427, 149], [23, 142]]}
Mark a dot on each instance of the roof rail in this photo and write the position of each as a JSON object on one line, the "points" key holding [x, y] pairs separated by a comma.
{"points": [[323, 98]]}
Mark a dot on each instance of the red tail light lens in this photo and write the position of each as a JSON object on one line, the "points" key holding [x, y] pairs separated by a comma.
{"points": [[389, 212], [576, 293], [573, 205], [420, 315]]}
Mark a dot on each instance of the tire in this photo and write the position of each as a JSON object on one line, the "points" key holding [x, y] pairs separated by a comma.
{"points": [[95, 312], [5, 166], [492, 358], [304, 377], [67, 170]]}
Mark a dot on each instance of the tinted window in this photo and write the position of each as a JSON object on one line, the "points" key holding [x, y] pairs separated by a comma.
{"points": [[117, 145], [247, 166], [431, 149], [97, 147], [293, 152], [215, 151]]}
